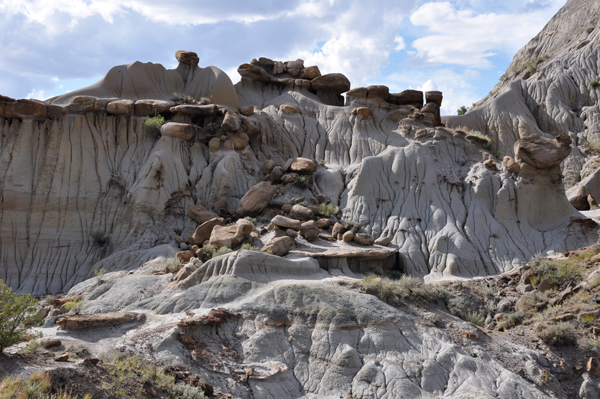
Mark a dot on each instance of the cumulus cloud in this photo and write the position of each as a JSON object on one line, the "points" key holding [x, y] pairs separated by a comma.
{"points": [[464, 37]]}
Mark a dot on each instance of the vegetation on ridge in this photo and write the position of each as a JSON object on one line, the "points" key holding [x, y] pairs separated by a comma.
{"points": [[17, 314]]}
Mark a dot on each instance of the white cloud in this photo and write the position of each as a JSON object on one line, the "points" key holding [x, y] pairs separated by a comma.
{"points": [[463, 37], [400, 45], [37, 95]]}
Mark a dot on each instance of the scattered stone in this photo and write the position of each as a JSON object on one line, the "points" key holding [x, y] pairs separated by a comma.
{"points": [[179, 239], [48, 343], [256, 199], [279, 246], [525, 302], [79, 322], [231, 236], [289, 178], [203, 232], [292, 233], [338, 230], [364, 113], [301, 212], [505, 305], [468, 334], [593, 367], [301, 166], [310, 72], [383, 241], [276, 175], [184, 256], [214, 144], [321, 198], [55, 312], [200, 213], [183, 246], [64, 357], [247, 111], [120, 107], [348, 236], [363, 239], [181, 275], [231, 122], [511, 164], [323, 223], [183, 131], [187, 339], [285, 222], [221, 204], [267, 167], [545, 285], [309, 230], [42, 312], [332, 82], [289, 109], [91, 361]]}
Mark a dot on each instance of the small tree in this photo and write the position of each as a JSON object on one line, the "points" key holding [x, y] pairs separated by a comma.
{"points": [[462, 110], [16, 315]]}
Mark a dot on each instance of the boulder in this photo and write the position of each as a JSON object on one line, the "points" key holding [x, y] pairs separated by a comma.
{"points": [[543, 153], [195, 110], [48, 343], [593, 366], [525, 302], [276, 175], [214, 144], [24, 109], [151, 107], [302, 166], [301, 212], [363, 239], [120, 107], [384, 241], [289, 109], [407, 97], [348, 236], [267, 167], [545, 285], [182, 274], [247, 111], [338, 230], [289, 178], [80, 322], [204, 231], [82, 104], [187, 57], [231, 236], [256, 199], [279, 246], [295, 67], [286, 223], [220, 204], [511, 164], [323, 223], [331, 83], [434, 97], [292, 233], [200, 213], [310, 72], [254, 72], [231, 122], [184, 256], [183, 131], [309, 230], [63, 357]]}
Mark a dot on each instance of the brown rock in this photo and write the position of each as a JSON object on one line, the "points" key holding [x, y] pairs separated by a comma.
{"points": [[434, 97], [292, 233], [64, 357], [203, 232], [383, 241], [363, 113], [511, 164], [276, 175], [231, 122], [591, 201], [348, 236], [267, 167], [289, 178], [310, 72], [338, 231], [195, 109], [323, 223], [333, 83], [279, 246], [214, 144], [543, 153], [187, 57], [363, 239], [24, 109], [593, 367], [545, 285], [91, 361], [182, 131], [221, 204], [309, 230], [80, 322], [286, 223], [254, 72], [181, 275], [151, 107], [525, 302], [120, 107], [187, 339], [200, 213], [48, 343], [247, 111], [289, 109], [231, 236], [301, 212], [407, 97], [42, 312], [184, 256], [302, 166], [564, 317], [256, 199]]}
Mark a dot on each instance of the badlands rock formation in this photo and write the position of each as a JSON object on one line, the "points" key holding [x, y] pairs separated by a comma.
{"points": [[85, 186]]}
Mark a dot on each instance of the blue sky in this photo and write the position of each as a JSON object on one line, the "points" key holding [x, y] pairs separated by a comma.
{"points": [[462, 47]]}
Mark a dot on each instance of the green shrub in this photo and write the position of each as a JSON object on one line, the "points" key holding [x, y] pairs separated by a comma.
{"points": [[504, 77], [350, 224], [404, 288], [477, 133], [185, 99], [558, 334], [211, 251], [76, 305], [172, 265], [595, 83], [511, 320], [182, 391], [153, 124], [17, 313], [462, 110], [302, 181], [250, 219], [327, 210], [559, 272], [213, 128], [475, 318], [592, 145], [38, 385], [249, 247], [99, 274]]}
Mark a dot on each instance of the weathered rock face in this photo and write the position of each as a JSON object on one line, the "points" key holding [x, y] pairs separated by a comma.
{"points": [[256, 199]]}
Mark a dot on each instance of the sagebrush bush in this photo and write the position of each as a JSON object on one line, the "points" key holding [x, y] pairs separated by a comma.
{"points": [[327, 210], [153, 124], [559, 272], [406, 287], [557, 334]]}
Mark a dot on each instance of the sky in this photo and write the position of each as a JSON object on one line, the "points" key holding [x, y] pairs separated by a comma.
{"points": [[461, 47]]}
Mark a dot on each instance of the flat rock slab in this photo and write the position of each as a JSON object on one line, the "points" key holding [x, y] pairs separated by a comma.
{"points": [[80, 322]]}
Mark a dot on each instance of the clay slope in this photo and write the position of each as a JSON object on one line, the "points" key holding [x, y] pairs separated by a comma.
{"points": [[85, 186], [550, 88]]}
